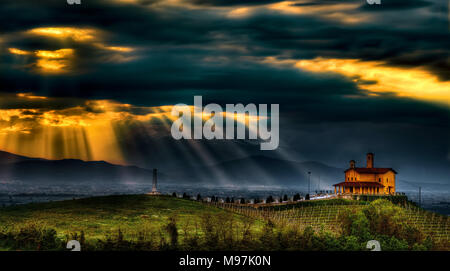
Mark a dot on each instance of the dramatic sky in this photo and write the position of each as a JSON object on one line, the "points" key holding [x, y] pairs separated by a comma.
{"points": [[97, 81]]}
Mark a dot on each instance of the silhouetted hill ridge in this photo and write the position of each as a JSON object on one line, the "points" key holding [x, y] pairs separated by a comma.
{"points": [[16, 167], [251, 170]]}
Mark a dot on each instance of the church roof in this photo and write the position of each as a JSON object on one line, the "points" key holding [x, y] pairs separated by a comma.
{"points": [[378, 170], [358, 184]]}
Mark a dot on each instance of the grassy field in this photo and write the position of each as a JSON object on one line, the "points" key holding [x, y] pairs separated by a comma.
{"points": [[101, 216]]}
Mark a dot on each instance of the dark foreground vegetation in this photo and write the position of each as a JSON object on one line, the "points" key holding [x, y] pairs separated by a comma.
{"points": [[185, 225]]}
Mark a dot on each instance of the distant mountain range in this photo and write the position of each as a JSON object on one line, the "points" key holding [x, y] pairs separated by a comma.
{"points": [[35, 170], [252, 170], [9, 158]]}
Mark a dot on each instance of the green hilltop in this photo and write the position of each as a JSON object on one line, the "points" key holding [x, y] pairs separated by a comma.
{"points": [[98, 216]]}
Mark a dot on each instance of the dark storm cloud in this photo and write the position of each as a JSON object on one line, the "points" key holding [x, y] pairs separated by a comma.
{"points": [[408, 45], [184, 52], [172, 72], [304, 97], [266, 33]]}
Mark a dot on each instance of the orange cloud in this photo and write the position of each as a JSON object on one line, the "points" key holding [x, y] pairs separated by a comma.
{"points": [[240, 12], [61, 53], [59, 61], [90, 35], [31, 96], [119, 49], [52, 66], [77, 34], [340, 12], [416, 83], [16, 51], [49, 61], [54, 61]]}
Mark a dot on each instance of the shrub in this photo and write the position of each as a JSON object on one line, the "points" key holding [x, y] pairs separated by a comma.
{"points": [[172, 230], [33, 237], [383, 221], [267, 238]]}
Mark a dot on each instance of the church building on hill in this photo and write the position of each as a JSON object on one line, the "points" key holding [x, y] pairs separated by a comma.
{"points": [[367, 180]]}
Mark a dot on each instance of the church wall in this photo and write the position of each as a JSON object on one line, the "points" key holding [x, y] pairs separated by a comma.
{"points": [[351, 174], [389, 180], [367, 177]]}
